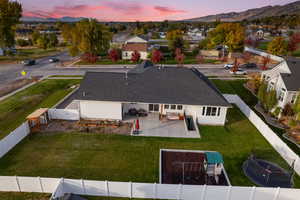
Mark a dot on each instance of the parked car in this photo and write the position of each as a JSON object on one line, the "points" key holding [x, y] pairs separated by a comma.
{"points": [[249, 65], [53, 60], [142, 113], [239, 72], [28, 62], [228, 66]]}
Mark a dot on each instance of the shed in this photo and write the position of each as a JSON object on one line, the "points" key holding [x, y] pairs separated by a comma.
{"points": [[37, 118]]}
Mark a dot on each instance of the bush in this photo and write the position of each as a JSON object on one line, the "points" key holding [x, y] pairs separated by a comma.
{"points": [[293, 123], [277, 111], [288, 110], [22, 43]]}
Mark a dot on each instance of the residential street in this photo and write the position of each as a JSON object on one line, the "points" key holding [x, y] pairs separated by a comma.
{"points": [[44, 68]]}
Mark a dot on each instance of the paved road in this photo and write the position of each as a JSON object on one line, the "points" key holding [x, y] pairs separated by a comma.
{"points": [[44, 68]]}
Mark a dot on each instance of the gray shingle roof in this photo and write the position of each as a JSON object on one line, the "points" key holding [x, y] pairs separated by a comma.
{"points": [[292, 81], [169, 85]]}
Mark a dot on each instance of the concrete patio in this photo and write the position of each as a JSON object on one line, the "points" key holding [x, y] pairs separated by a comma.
{"points": [[152, 126]]}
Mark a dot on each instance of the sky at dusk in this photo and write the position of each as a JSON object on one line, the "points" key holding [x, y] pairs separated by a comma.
{"points": [[142, 10]]}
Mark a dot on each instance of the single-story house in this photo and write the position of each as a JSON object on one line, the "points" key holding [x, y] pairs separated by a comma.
{"points": [[136, 43], [162, 90], [285, 79]]}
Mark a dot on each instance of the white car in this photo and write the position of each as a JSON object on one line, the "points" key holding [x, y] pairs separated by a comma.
{"points": [[239, 72], [228, 66]]}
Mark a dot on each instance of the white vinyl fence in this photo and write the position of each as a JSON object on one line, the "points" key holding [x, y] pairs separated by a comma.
{"points": [[64, 114], [264, 54], [58, 187], [282, 148], [14, 138]]}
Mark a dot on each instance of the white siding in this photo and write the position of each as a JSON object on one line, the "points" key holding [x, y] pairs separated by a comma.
{"points": [[197, 111], [101, 110], [126, 55]]}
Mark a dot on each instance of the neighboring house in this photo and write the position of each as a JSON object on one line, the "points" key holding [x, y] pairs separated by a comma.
{"points": [[166, 91], [119, 39], [285, 79], [136, 43]]}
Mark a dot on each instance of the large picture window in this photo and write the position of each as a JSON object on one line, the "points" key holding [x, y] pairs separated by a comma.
{"points": [[211, 111]]}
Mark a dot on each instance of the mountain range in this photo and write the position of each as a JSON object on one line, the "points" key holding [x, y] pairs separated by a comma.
{"points": [[251, 14]]}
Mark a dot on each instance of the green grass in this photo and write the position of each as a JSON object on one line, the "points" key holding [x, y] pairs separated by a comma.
{"points": [[23, 196], [34, 53], [236, 87], [124, 158], [263, 46], [67, 76], [16, 108]]}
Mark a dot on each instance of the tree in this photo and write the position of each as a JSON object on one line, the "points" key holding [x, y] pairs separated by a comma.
{"points": [[114, 55], [53, 41], [179, 57], [262, 91], [88, 36], [157, 56], [35, 36], [10, 14], [230, 34], [22, 42], [175, 40], [277, 46], [271, 100], [236, 65], [135, 57], [42, 41], [294, 42], [265, 61]]}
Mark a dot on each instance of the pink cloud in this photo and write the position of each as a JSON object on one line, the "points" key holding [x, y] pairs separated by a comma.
{"points": [[109, 11], [167, 11]]}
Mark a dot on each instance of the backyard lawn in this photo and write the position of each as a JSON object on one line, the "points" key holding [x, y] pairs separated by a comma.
{"points": [[23, 196], [15, 109], [124, 158]]}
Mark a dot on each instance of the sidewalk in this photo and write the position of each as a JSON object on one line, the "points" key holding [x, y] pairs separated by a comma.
{"points": [[202, 66]]}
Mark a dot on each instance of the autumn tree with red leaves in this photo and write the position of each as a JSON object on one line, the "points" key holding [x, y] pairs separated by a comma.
{"points": [[294, 42], [157, 56], [114, 55], [89, 57], [179, 57], [135, 56], [265, 61]]}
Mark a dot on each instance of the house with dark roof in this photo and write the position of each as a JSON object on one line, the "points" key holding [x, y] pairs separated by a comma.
{"points": [[163, 90], [285, 79], [135, 43]]}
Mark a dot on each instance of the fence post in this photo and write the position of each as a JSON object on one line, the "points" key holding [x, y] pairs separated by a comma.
{"points": [[228, 197], [130, 190], [179, 192], [252, 193], [18, 184], [277, 193], [155, 190], [41, 185], [106, 188], [83, 186], [203, 193]]}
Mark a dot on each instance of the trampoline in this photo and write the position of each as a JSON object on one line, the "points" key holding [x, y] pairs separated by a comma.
{"points": [[267, 174]]}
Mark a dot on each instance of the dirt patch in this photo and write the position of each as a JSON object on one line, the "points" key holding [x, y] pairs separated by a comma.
{"points": [[75, 126], [14, 85]]}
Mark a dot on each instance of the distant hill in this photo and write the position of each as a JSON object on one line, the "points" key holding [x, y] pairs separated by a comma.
{"points": [[256, 13], [62, 19]]}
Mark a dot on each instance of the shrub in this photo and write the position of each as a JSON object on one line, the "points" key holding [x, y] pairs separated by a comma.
{"points": [[271, 99], [136, 56], [22, 43], [293, 123], [114, 55], [277, 111], [262, 93], [288, 110]]}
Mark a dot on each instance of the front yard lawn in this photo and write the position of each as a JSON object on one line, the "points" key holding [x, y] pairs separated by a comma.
{"points": [[125, 158], [16, 108], [24, 196]]}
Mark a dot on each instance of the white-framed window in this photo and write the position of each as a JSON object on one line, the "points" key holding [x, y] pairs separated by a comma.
{"points": [[211, 111], [294, 98], [179, 107], [167, 107], [203, 111], [173, 107], [282, 94]]}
